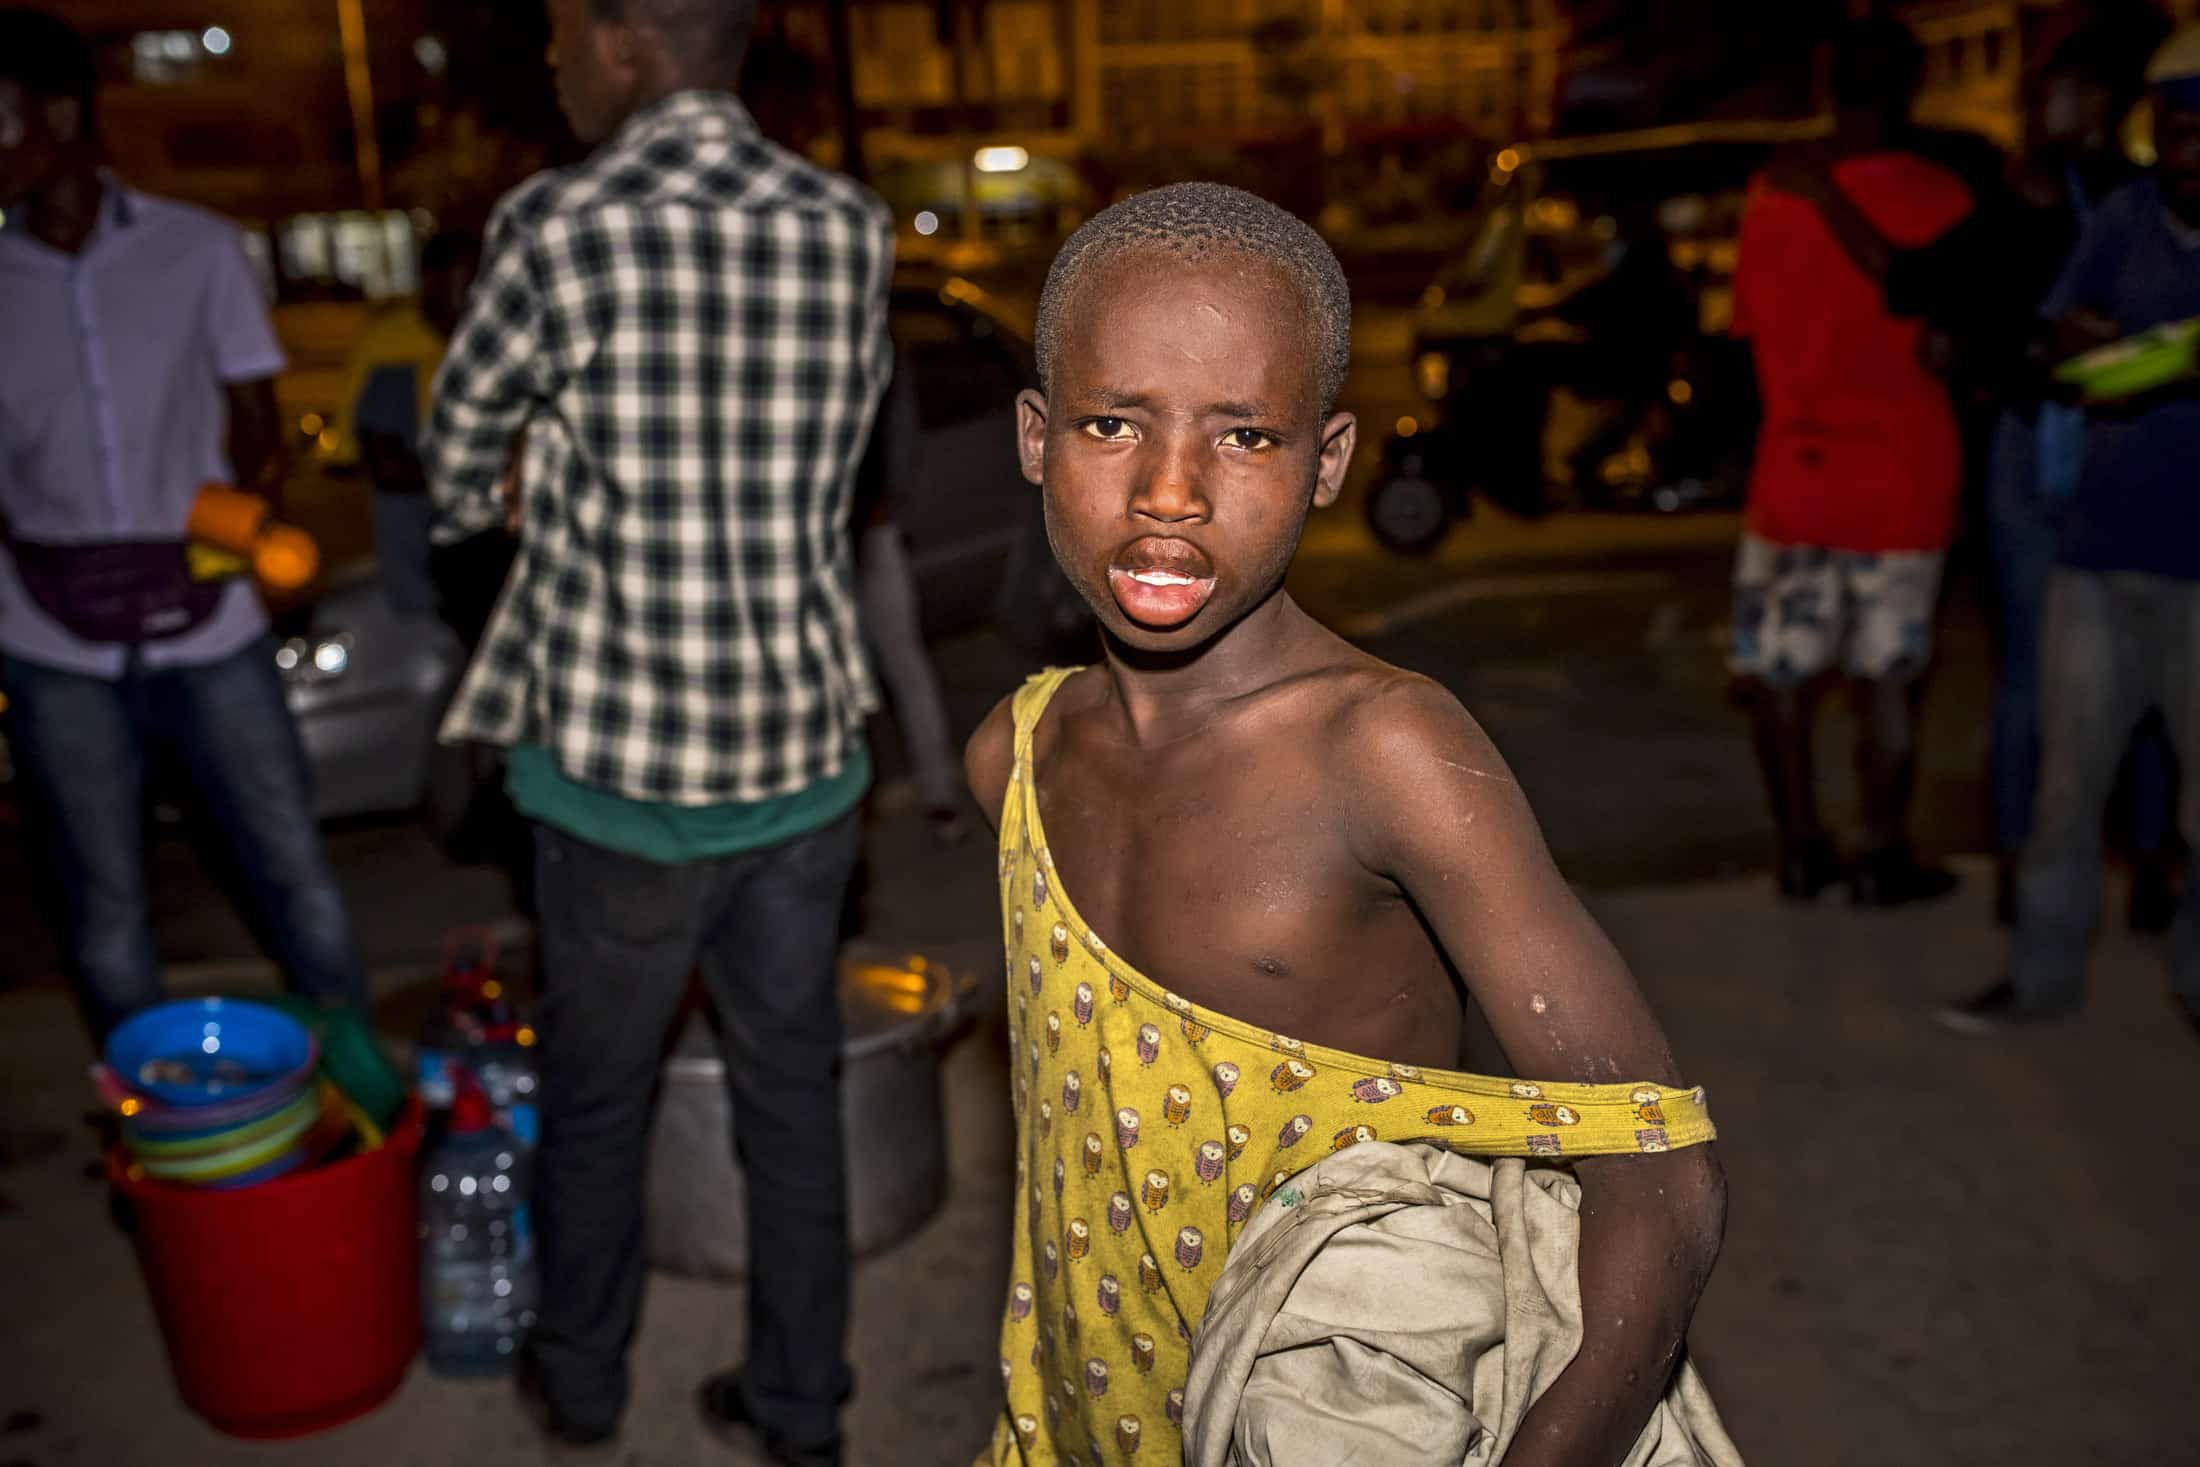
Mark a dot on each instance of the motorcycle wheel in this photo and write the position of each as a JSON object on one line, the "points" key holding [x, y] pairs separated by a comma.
{"points": [[1408, 514]]}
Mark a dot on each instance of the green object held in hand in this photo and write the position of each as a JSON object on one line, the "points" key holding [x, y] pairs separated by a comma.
{"points": [[351, 1058], [2153, 358]]}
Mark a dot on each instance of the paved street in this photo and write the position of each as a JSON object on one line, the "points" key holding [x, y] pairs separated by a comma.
{"points": [[1941, 1251]]}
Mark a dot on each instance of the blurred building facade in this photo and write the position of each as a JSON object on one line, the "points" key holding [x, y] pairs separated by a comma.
{"points": [[925, 69], [1979, 52], [1638, 63], [1976, 54], [1235, 68], [1092, 75], [279, 113], [1301, 99], [269, 109], [245, 105]]}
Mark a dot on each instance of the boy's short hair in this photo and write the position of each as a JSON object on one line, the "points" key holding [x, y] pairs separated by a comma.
{"points": [[1192, 221], [46, 56]]}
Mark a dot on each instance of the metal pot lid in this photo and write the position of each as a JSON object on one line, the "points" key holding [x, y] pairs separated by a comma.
{"points": [[890, 998]]}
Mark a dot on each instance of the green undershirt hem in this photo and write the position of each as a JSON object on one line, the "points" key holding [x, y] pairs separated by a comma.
{"points": [[675, 834]]}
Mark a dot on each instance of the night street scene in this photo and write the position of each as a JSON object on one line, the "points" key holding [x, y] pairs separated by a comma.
{"points": [[1253, 733]]}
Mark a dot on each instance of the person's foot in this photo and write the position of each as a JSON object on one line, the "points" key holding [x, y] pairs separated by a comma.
{"points": [[1996, 1010], [1894, 877], [562, 1431], [1807, 867], [726, 1413], [2153, 898]]}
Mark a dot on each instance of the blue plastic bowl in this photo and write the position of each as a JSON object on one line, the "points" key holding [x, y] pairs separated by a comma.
{"points": [[206, 1051], [177, 1144], [197, 1122]]}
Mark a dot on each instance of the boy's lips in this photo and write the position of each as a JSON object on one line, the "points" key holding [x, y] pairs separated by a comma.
{"points": [[1161, 583]]}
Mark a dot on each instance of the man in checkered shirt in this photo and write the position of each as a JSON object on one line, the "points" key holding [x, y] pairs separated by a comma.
{"points": [[666, 376]]}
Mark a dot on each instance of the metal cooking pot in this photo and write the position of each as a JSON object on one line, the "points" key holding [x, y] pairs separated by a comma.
{"points": [[898, 1010]]}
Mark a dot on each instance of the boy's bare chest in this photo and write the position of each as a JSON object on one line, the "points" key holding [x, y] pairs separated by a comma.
{"points": [[1215, 852], [1232, 882]]}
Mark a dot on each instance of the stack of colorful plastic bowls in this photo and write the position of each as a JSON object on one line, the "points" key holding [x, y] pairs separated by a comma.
{"points": [[218, 1092]]}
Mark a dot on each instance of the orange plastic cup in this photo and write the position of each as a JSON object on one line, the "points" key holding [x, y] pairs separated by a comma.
{"points": [[227, 517], [285, 558]]}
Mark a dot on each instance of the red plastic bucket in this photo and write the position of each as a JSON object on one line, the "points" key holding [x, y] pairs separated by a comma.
{"points": [[293, 1305]]}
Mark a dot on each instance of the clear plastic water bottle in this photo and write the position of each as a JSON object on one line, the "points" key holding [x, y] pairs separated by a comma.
{"points": [[478, 1285], [476, 1028], [506, 1069]]}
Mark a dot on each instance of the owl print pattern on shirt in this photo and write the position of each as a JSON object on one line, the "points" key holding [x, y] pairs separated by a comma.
{"points": [[1150, 1130]]}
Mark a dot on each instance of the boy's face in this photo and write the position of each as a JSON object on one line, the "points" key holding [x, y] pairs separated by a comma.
{"points": [[1181, 444]]}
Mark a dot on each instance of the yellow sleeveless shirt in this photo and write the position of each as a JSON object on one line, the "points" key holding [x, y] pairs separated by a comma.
{"points": [[1149, 1130]]}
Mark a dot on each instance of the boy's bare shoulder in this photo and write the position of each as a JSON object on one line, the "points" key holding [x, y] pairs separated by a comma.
{"points": [[1379, 717], [1414, 769], [990, 757]]}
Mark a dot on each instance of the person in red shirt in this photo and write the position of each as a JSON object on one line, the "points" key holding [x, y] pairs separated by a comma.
{"points": [[1853, 497]]}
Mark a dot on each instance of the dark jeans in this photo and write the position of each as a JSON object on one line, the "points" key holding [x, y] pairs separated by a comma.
{"points": [[2024, 544], [85, 744], [620, 938], [2115, 645], [401, 523]]}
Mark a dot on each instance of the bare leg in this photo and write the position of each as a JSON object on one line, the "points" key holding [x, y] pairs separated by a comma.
{"points": [[1886, 757], [1783, 720], [1886, 765]]}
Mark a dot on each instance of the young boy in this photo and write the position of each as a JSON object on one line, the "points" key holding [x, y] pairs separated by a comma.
{"points": [[1240, 828]]}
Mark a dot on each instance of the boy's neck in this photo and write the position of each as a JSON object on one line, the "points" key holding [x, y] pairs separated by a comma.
{"points": [[1166, 696]]}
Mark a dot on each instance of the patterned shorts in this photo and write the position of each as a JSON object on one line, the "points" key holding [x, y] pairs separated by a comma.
{"points": [[1799, 609]]}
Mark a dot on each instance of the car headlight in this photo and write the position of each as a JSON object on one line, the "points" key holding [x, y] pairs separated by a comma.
{"points": [[1432, 372], [320, 658]]}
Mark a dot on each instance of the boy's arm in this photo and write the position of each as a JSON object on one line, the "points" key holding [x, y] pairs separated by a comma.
{"points": [[1438, 812], [990, 756]]}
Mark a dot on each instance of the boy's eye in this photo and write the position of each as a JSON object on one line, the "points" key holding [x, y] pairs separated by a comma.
{"points": [[1248, 439], [1110, 429]]}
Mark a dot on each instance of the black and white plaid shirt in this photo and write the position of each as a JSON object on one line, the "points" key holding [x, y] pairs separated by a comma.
{"points": [[689, 329]]}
